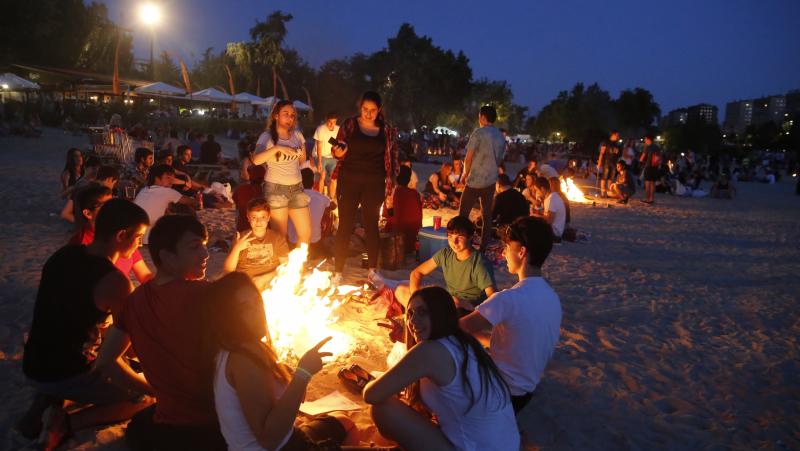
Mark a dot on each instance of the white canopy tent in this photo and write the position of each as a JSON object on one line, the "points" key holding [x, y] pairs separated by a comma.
{"points": [[12, 82], [300, 106], [211, 95], [160, 89], [268, 101], [246, 97]]}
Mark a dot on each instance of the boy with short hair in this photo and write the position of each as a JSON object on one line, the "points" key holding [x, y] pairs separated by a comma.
{"points": [[79, 289], [157, 196], [555, 211], [469, 277], [524, 320], [161, 319], [259, 251]]}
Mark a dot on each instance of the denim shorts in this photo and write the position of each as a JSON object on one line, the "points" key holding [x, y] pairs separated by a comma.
{"points": [[283, 196], [86, 388], [329, 164]]}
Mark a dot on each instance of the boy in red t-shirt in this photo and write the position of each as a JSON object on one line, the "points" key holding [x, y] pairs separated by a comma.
{"points": [[162, 320], [407, 210]]}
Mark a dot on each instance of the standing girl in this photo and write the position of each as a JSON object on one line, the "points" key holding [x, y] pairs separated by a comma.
{"points": [[282, 148], [366, 174]]}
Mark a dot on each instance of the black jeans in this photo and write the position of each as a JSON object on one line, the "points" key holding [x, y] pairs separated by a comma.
{"points": [[486, 196], [351, 192]]}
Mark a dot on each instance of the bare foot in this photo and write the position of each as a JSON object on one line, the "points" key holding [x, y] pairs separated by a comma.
{"points": [[55, 428]]}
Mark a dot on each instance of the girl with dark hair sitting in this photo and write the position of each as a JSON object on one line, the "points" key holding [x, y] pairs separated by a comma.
{"points": [[450, 372], [257, 399]]}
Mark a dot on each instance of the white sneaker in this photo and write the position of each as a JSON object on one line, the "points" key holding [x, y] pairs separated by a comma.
{"points": [[375, 279]]}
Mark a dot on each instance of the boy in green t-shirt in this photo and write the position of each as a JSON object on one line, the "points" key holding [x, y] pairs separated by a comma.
{"points": [[468, 276]]}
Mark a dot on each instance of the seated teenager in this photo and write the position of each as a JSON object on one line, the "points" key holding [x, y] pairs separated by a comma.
{"points": [[530, 168], [259, 251], [245, 192], [624, 187], [156, 197], [524, 321], [555, 188], [405, 161], [406, 217], [162, 320], [554, 211], [137, 175], [78, 290], [438, 190], [457, 177], [257, 398], [467, 274], [319, 206], [88, 201], [90, 170], [448, 374], [509, 204]]}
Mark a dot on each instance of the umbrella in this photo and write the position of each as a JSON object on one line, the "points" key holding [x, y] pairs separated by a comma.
{"points": [[12, 82], [160, 89]]}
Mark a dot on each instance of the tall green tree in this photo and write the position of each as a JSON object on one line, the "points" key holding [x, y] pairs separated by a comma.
{"points": [[418, 79], [167, 70], [636, 110], [258, 58], [583, 115]]}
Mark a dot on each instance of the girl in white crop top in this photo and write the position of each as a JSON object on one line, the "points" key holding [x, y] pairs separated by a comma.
{"points": [[282, 148], [447, 374], [257, 399]]}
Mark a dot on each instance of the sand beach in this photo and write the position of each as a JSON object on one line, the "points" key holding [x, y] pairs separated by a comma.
{"points": [[680, 327]]}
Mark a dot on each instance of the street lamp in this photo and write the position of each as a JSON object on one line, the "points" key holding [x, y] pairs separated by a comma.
{"points": [[150, 15]]}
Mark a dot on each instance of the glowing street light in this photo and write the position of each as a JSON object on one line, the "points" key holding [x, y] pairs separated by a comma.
{"points": [[4, 86], [150, 15]]}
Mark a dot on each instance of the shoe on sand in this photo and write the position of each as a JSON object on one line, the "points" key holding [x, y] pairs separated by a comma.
{"points": [[375, 279]]}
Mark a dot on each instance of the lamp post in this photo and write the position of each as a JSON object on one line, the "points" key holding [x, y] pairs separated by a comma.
{"points": [[150, 15]]}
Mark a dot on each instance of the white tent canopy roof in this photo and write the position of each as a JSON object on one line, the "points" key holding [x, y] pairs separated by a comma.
{"points": [[269, 101], [211, 95], [12, 82], [246, 97], [300, 106], [160, 89]]}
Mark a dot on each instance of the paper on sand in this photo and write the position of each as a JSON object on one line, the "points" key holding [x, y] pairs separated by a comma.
{"points": [[328, 403]]}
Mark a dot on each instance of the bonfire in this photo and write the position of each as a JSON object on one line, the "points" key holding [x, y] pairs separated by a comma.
{"points": [[571, 190], [301, 309]]}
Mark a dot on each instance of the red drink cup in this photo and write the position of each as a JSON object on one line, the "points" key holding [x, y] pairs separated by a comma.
{"points": [[437, 222]]}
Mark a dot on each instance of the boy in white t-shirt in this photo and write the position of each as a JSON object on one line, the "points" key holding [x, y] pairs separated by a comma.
{"points": [[524, 321], [325, 160], [555, 212], [158, 194]]}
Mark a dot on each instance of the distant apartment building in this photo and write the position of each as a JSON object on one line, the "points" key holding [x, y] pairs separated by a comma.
{"points": [[738, 116], [769, 109], [696, 113], [703, 112], [743, 113]]}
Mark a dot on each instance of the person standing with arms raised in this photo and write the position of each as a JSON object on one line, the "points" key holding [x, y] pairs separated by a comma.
{"points": [[484, 153], [365, 175], [282, 148]]}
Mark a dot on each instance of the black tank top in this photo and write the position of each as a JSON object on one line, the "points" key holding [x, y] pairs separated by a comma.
{"points": [[66, 329], [365, 155]]}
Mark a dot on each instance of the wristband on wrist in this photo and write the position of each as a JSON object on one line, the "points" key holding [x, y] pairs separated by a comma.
{"points": [[304, 373]]}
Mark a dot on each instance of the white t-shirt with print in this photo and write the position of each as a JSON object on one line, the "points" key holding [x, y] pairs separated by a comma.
{"points": [[323, 135], [554, 204], [526, 320], [282, 169], [154, 200]]}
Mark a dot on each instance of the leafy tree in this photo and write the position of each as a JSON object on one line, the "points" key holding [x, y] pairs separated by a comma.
{"points": [[166, 70], [636, 110], [418, 79], [583, 115], [696, 134], [260, 58]]}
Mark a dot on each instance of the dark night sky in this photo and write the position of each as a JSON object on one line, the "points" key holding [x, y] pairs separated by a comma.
{"points": [[684, 51]]}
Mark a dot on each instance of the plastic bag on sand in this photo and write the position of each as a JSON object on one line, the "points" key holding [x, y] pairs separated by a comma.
{"points": [[224, 189]]}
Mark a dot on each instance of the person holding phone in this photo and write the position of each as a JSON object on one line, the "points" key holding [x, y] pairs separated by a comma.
{"points": [[257, 399], [365, 174], [282, 148]]}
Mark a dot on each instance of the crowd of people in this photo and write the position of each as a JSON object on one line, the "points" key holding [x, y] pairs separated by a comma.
{"points": [[188, 358]]}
